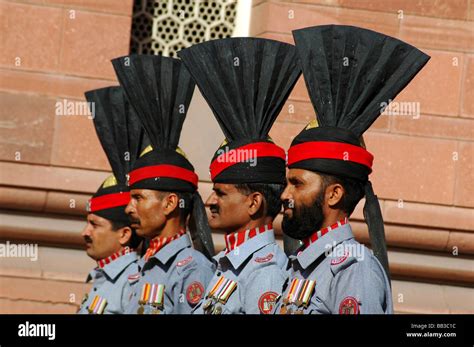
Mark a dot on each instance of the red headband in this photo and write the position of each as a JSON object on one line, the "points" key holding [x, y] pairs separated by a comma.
{"points": [[329, 150], [163, 170], [108, 201], [228, 159]]}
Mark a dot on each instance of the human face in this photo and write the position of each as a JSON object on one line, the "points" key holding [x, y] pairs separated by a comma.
{"points": [[146, 212], [101, 240], [229, 208], [303, 200]]}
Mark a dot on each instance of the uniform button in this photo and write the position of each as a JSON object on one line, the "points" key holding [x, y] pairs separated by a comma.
{"points": [[95, 289], [218, 274]]}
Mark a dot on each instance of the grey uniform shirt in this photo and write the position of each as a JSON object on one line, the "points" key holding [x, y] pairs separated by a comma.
{"points": [[348, 277], [258, 267], [111, 283], [184, 272]]}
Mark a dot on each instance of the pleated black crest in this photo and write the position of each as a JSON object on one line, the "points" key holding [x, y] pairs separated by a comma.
{"points": [[160, 90], [245, 81], [351, 73], [117, 127]]}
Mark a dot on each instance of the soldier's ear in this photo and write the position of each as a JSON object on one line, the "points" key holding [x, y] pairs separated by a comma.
{"points": [[171, 202], [125, 236], [334, 194], [256, 204]]}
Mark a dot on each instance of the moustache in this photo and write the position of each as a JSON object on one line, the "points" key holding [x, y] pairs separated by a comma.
{"points": [[214, 208], [134, 220], [87, 239], [286, 204]]}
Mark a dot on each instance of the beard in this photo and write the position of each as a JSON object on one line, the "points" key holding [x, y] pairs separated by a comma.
{"points": [[305, 220]]}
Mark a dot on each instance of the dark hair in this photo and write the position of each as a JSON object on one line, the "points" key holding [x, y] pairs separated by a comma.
{"points": [[185, 202], [134, 239], [270, 191], [354, 191]]}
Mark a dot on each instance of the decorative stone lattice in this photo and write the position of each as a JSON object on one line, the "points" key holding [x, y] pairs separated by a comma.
{"points": [[167, 26]]}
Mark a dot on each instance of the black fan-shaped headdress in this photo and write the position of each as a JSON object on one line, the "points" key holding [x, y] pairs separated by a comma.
{"points": [[245, 81], [121, 136], [160, 90], [351, 74]]}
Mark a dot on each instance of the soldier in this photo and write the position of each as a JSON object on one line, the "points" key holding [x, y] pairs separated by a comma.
{"points": [[246, 82], [163, 188], [349, 72], [109, 238]]}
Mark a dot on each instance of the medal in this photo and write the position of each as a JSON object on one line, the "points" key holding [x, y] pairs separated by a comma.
{"points": [[300, 293], [152, 294], [220, 293], [208, 305], [97, 306], [217, 310]]}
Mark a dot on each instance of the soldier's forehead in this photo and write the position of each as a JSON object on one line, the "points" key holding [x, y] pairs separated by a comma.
{"points": [[302, 174]]}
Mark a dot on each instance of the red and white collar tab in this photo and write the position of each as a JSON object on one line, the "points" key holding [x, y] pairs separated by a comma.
{"points": [[102, 262], [318, 234], [234, 240]]}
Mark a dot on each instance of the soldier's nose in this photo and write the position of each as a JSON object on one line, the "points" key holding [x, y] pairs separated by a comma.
{"points": [[86, 231], [129, 209], [285, 195], [211, 200]]}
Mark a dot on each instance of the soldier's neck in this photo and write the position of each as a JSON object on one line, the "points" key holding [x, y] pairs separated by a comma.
{"points": [[172, 227], [333, 217], [254, 223]]}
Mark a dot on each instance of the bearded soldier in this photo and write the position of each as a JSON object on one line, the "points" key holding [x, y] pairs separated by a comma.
{"points": [[349, 73]]}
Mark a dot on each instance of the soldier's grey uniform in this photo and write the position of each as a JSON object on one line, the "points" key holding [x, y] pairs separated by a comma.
{"points": [[258, 266], [184, 272], [349, 278], [111, 284]]}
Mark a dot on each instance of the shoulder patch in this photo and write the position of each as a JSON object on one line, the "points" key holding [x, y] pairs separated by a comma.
{"points": [[349, 305], [194, 293], [267, 302], [184, 262], [341, 259], [264, 259], [133, 277]]}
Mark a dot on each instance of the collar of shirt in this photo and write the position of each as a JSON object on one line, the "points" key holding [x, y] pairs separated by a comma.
{"points": [[172, 248], [233, 240], [115, 268], [159, 242], [327, 241], [320, 233], [103, 262], [239, 255]]}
